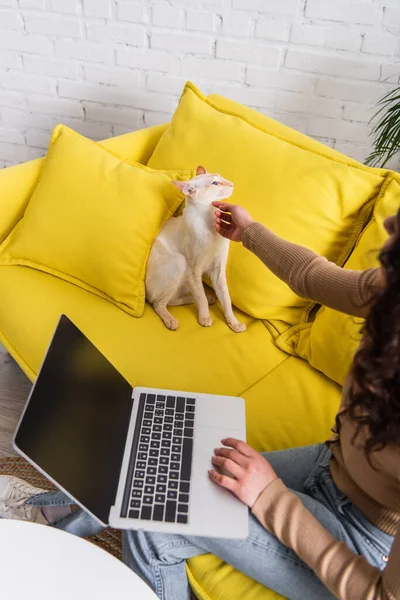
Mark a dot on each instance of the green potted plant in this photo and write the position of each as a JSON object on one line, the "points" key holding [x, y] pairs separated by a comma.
{"points": [[386, 131]]}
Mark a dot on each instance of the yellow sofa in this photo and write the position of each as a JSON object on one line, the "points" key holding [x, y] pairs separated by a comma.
{"points": [[288, 402]]}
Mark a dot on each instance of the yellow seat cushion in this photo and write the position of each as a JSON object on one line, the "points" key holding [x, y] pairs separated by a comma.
{"points": [[143, 350], [92, 219], [293, 405], [330, 342], [302, 194]]}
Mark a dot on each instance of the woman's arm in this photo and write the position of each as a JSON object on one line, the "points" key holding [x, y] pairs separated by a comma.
{"points": [[305, 272], [347, 575], [310, 275]]}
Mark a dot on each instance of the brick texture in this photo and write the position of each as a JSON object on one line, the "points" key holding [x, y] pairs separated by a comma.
{"points": [[105, 67]]}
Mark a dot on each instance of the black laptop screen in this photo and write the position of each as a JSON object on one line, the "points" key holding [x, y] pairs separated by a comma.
{"points": [[76, 421]]}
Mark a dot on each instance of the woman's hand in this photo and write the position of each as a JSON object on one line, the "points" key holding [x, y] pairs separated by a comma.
{"points": [[231, 220], [251, 471]]}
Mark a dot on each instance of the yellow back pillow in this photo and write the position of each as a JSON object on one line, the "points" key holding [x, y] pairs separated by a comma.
{"points": [[331, 341], [92, 219], [302, 195]]}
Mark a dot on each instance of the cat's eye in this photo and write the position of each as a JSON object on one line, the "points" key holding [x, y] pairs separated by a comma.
{"points": [[215, 182]]}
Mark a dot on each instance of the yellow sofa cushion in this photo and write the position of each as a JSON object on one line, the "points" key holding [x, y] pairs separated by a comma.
{"points": [[92, 219], [17, 183], [329, 344], [302, 194]]}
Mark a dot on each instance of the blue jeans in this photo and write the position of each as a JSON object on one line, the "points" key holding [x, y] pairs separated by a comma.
{"points": [[160, 558]]}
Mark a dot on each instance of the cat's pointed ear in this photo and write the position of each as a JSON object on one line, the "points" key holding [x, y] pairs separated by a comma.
{"points": [[185, 186], [201, 170]]}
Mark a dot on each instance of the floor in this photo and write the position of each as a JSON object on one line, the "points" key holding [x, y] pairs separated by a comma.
{"points": [[14, 390]]}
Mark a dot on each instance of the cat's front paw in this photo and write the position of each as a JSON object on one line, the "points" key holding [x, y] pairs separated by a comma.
{"points": [[237, 327], [171, 323], [205, 321]]}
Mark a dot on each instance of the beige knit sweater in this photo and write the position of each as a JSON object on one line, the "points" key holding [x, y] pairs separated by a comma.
{"points": [[373, 489]]}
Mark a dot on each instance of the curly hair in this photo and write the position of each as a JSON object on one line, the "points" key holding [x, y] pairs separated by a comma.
{"points": [[374, 394]]}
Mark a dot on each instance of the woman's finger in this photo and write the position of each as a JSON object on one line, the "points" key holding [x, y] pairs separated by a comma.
{"points": [[234, 455], [240, 446], [228, 465], [222, 480]]}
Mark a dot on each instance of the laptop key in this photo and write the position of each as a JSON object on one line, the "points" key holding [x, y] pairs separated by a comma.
{"points": [[182, 519], [175, 466], [155, 445], [135, 503], [160, 398], [150, 399], [149, 489], [187, 450], [139, 474], [175, 457], [147, 499], [147, 423], [156, 436], [168, 420], [167, 427], [169, 412], [188, 432], [159, 420], [178, 425], [141, 464], [138, 483], [164, 451], [146, 430], [174, 475], [158, 512], [143, 447], [134, 514], [136, 493], [164, 460], [184, 498], [173, 485], [176, 440], [163, 469], [180, 405], [159, 413], [176, 448], [166, 443], [189, 417], [150, 480], [160, 498], [184, 486], [157, 428], [148, 415], [170, 402], [151, 471], [153, 461], [172, 495], [145, 439], [142, 455], [183, 508], [179, 417], [190, 401], [190, 409], [167, 435], [162, 479], [160, 404], [154, 452], [146, 512], [161, 488], [170, 511]]}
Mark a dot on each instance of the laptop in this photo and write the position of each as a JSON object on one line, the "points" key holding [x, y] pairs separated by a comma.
{"points": [[133, 458]]}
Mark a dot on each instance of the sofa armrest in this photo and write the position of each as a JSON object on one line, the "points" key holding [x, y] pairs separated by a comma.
{"points": [[18, 182]]}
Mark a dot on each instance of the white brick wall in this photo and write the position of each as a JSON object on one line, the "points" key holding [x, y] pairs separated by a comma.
{"points": [[105, 67]]}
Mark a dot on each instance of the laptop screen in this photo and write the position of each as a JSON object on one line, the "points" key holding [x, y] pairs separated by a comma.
{"points": [[75, 423]]}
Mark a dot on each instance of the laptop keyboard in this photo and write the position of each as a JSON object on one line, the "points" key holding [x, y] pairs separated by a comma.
{"points": [[158, 481]]}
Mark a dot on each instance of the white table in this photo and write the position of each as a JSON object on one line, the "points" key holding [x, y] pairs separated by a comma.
{"points": [[42, 563]]}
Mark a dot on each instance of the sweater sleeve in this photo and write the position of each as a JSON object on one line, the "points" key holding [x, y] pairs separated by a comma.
{"points": [[310, 275], [348, 575]]}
